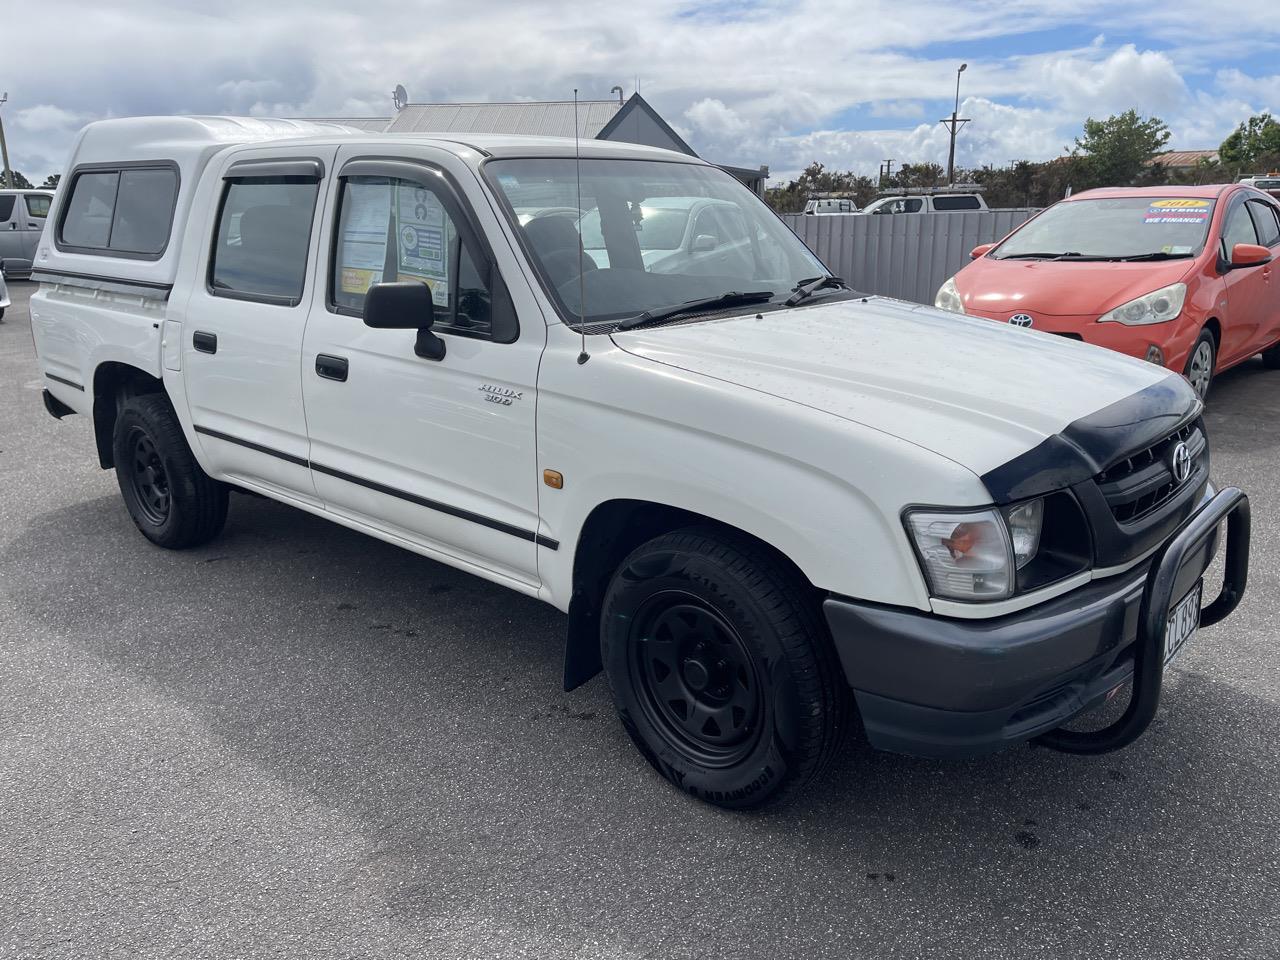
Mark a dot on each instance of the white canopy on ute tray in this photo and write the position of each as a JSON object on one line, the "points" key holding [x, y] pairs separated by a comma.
{"points": [[185, 144]]}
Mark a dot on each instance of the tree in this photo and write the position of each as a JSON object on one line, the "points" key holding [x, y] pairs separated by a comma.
{"points": [[817, 179], [51, 181], [18, 182], [1117, 149], [1252, 144], [918, 175]]}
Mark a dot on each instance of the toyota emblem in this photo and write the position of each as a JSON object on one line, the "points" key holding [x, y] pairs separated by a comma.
{"points": [[1180, 463], [1020, 320]]}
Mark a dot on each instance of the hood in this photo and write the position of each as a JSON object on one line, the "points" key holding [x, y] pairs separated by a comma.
{"points": [[973, 391], [1065, 288]]}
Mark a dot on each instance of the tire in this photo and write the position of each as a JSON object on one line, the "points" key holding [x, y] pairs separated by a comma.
{"points": [[1271, 357], [170, 498], [721, 668], [1201, 362]]}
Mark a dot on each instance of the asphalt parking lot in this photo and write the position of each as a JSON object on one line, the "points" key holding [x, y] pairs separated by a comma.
{"points": [[302, 742]]}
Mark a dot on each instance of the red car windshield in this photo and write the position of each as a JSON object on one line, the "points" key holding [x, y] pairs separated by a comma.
{"points": [[1114, 228]]}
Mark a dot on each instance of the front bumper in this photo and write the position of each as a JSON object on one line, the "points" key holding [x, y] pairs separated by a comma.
{"points": [[937, 687], [1173, 338]]}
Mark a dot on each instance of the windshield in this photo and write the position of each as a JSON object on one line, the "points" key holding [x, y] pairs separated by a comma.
{"points": [[1114, 228], [648, 235]]}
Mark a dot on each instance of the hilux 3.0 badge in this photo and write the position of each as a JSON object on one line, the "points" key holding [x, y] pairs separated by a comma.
{"points": [[1020, 320], [502, 395]]}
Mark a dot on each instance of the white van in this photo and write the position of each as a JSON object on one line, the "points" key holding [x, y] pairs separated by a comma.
{"points": [[763, 500]]}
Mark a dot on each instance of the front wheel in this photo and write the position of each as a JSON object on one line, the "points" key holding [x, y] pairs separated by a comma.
{"points": [[170, 498], [721, 670], [1200, 363]]}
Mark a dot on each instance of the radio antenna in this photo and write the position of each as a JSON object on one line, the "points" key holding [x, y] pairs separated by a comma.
{"points": [[583, 356]]}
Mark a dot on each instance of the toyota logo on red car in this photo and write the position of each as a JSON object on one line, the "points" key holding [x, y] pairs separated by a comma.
{"points": [[1178, 276]]}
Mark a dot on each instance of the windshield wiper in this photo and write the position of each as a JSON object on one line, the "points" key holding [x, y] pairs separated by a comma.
{"points": [[1070, 255], [807, 288], [731, 299], [1158, 255]]}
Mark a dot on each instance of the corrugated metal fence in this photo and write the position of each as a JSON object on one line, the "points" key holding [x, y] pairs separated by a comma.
{"points": [[907, 255]]}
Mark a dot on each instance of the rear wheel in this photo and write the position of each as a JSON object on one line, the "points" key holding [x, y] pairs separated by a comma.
{"points": [[1201, 362], [170, 498], [721, 669]]}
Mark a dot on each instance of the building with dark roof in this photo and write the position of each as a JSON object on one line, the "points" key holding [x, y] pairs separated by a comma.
{"points": [[623, 121]]}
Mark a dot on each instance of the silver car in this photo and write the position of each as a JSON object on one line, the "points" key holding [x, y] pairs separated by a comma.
{"points": [[4, 292]]}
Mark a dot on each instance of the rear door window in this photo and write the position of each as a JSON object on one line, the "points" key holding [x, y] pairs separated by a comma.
{"points": [[37, 205], [6, 207], [264, 233]]}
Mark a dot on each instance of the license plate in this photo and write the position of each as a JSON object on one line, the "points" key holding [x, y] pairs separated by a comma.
{"points": [[1183, 621]]}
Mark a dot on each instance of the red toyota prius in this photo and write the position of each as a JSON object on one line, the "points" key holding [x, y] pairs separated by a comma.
{"points": [[1180, 276]]}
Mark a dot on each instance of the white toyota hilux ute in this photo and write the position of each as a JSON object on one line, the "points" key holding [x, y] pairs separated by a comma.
{"points": [[769, 505]]}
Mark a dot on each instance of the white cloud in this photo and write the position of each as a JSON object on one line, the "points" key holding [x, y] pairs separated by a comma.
{"points": [[757, 82], [1146, 80]]}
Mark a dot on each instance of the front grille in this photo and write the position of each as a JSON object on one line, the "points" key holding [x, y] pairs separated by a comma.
{"points": [[1143, 482]]}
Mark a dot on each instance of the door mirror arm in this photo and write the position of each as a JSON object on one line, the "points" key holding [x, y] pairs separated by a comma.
{"points": [[428, 346], [405, 305]]}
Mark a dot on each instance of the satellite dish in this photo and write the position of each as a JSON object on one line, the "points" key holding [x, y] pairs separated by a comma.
{"points": [[400, 96]]}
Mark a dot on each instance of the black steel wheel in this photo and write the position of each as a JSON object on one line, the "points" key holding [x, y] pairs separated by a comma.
{"points": [[699, 682], [147, 474], [721, 668], [170, 498]]}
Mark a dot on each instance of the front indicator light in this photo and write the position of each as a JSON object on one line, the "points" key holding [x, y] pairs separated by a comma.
{"points": [[1025, 521], [966, 555]]}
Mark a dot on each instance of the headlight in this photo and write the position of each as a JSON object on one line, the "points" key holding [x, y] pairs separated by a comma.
{"points": [[975, 555], [964, 556], [1157, 307], [948, 297]]}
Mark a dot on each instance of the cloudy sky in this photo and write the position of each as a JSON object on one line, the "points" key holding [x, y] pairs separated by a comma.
{"points": [[846, 83]]}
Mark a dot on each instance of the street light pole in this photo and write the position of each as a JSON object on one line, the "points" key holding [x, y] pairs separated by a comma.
{"points": [[954, 124], [7, 181]]}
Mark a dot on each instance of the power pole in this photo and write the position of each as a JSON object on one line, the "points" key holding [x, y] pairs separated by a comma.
{"points": [[7, 182], [954, 124], [886, 171]]}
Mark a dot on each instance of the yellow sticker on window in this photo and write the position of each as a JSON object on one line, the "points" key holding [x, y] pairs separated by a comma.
{"points": [[359, 281]]}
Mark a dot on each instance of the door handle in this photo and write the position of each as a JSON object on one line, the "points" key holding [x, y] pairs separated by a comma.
{"points": [[331, 367], [205, 342]]}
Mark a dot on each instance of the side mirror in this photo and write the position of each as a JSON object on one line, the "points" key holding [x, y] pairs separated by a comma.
{"points": [[981, 250], [1249, 255], [704, 243], [405, 305]]}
